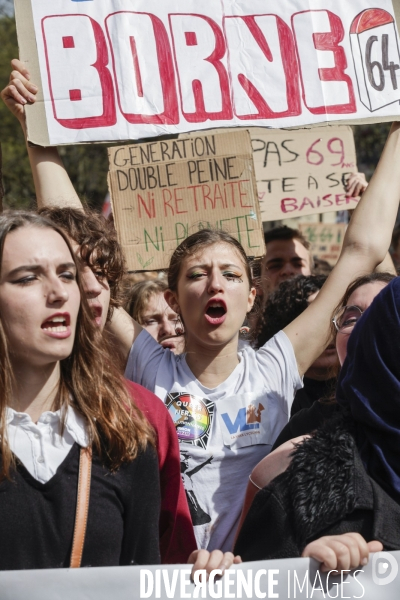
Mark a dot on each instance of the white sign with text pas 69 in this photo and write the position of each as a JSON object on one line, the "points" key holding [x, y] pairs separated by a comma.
{"points": [[283, 579], [123, 69]]}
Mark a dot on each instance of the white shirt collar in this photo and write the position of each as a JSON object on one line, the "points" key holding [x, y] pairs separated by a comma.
{"points": [[75, 423]]}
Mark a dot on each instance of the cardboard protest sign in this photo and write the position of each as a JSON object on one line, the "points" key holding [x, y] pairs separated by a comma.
{"points": [[302, 172], [113, 70], [163, 191], [326, 239]]}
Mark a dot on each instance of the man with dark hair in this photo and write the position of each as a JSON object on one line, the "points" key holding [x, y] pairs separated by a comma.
{"points": [[287, 255]]}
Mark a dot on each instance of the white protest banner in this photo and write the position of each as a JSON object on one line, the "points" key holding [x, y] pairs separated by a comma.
{"points": [[163, 191], [284, 579], [117, 70], [326, 239], [302, 172]]}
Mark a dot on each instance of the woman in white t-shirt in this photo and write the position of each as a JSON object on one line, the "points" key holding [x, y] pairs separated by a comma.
{"points": [[228, 405]]}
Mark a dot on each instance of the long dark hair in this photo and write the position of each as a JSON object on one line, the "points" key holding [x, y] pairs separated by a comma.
{"points": [[89, 379]]}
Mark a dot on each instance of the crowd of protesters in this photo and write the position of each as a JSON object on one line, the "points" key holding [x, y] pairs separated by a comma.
{"points": [[203, 447]]}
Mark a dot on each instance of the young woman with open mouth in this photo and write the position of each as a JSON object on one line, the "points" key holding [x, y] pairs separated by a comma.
{"points": [[61, 394], [94, 240], [229, 406]]}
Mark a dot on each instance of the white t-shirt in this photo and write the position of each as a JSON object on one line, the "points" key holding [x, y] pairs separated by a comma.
{"points": [[223, 432]]}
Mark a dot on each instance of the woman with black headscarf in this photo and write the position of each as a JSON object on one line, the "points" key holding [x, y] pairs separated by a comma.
{"points": [[346, 476]]}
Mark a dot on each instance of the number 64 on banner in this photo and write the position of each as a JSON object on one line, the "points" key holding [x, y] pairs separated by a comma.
{"points": [[376, 58]]}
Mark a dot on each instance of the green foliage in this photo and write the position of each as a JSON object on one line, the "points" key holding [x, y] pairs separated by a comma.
{"points": [[18, 183], [87, 165], [369, 140]]}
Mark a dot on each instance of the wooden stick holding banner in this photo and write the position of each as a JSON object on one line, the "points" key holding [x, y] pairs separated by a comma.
{"points": [[108, 70], [163, 191]]}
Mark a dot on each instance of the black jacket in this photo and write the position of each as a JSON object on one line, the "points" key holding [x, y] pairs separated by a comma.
{"points": [[312, 391], [325, 491], [305, 421], [37, 519]]}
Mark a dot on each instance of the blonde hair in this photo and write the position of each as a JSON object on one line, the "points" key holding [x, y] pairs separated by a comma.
{"points": [[139, 295]]}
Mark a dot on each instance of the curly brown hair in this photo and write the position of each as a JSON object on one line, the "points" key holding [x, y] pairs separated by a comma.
{"points": [[97, 238], [286, 303], [89, 378]]}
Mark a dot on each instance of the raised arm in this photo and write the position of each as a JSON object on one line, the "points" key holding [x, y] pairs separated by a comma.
{"points": [[54, 188], [124, 331], [52, 183], [356, 186], [365, 246], [387, 265]]}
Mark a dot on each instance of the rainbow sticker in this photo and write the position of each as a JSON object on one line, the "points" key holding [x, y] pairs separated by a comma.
{"points": [[192, 416]]}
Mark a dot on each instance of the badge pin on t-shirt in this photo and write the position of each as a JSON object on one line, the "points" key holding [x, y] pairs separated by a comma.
{"points": [[375, 48], [192, 417], [243, 421]]}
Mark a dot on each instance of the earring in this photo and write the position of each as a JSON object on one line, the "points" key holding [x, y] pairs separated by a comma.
{"points": [[243, 330], [179, 329]]}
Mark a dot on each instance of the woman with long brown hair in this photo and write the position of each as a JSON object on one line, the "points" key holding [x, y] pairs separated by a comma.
{"points": [[61, 394], [228, 405]]}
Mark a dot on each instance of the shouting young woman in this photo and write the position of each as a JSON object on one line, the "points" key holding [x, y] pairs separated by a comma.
{"points": [[63, 408], [229, 406]]}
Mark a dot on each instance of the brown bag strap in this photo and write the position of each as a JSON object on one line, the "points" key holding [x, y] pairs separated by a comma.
{"points": [[82, 507]]}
